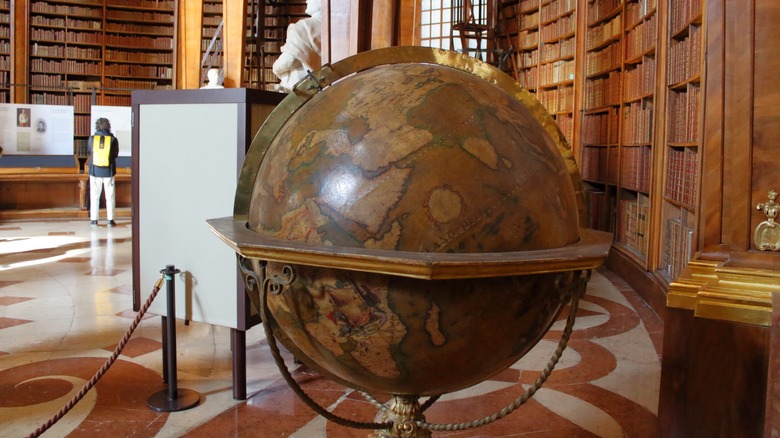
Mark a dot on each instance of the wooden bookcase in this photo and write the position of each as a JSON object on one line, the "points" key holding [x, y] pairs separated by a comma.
{"points": [[632, 113], [637, 125], [601, 108], [545, 39], [5, 50], [85, 52], [266, 34], [683, 135]]}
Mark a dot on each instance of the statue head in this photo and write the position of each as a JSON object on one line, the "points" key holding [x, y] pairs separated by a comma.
{"points": [[313, 8]]}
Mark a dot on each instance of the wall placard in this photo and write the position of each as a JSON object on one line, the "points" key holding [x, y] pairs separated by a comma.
{"points": [[36, 129]]}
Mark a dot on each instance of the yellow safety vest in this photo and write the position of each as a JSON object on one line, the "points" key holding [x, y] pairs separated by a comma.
{"points": [[101, 150]]}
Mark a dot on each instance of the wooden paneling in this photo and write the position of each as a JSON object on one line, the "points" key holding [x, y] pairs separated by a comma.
{"points": [[727, 379], [53, 192], [674, 376], [766, 107], [711, 198], [737, 139]]}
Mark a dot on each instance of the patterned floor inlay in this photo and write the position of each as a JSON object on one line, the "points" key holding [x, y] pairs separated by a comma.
{"points": [[604, 386]]}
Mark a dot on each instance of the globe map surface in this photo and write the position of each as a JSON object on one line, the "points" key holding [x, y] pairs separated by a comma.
{"points": [[421, 158]]}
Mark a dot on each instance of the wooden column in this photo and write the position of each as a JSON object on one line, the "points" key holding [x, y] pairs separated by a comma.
{"points": [[234, 41], [20, 39], [189, 46]]}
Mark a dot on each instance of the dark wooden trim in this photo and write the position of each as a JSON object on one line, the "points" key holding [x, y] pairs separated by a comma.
{"points": [[649, 286]]}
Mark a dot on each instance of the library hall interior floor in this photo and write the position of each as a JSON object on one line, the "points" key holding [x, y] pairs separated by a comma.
{"points": [[65, 303]]}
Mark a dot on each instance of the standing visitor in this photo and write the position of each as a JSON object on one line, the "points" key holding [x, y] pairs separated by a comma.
{"points": [[103, 148]]}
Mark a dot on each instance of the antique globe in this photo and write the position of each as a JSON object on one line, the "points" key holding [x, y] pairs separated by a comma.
{"points": [[408, 223]]}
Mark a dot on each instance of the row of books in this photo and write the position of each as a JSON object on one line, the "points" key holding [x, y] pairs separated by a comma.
{"points": [[81, 103], [556, 8], [162, 43], [593, 165], [5, 62], [598, 210], [556, 72], [528, 5], [636, 11], [62, 35], [640, 80], [144, 17], [81, 125], [563, 49], [136, 84], [558, 28], [602, 91], [636, 164], [685, 57], [558, 99], [642, 38], [634, 219], [566, 125], [154, 29], [600, 128], [528, 77], [527, 59], [599, 34], [73, 11], [528, 39], [41, 20], [147, 71], [39, 65], [598, 9], [605, 59], [681, 176], [638, 122], [684, 114], [143, 57], [67, 52], [44, 98], [528, 21], [683, 12], [678, 247]]}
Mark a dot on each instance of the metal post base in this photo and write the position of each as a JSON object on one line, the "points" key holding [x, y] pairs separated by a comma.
{"points": [[161, 402]]}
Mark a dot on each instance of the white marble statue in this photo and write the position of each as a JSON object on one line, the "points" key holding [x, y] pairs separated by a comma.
{"points": [[213, 75], [301, 50]]}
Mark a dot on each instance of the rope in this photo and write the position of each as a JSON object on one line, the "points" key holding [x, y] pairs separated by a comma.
{"points": [[110, 361]]}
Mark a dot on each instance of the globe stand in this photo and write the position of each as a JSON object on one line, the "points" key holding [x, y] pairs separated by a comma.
{"points": [[404, 412]]}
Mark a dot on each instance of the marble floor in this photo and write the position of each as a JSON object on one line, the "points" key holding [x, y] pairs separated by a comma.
{"points": [[65, 303]]}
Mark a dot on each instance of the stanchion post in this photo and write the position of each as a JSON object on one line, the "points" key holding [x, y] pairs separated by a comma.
{"points": [[173, 399]]}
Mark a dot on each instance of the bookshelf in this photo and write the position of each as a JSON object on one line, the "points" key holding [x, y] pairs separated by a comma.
{"points": [[637, 114], [545, 55], [683, 135], [266, 34], [602, 109], [5, 50], [66, 57], [212, 17], [85, 52]]}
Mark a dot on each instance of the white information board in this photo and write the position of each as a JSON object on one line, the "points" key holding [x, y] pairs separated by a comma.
{"points": [[36, 129], [121, 119], [187, 173]]}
